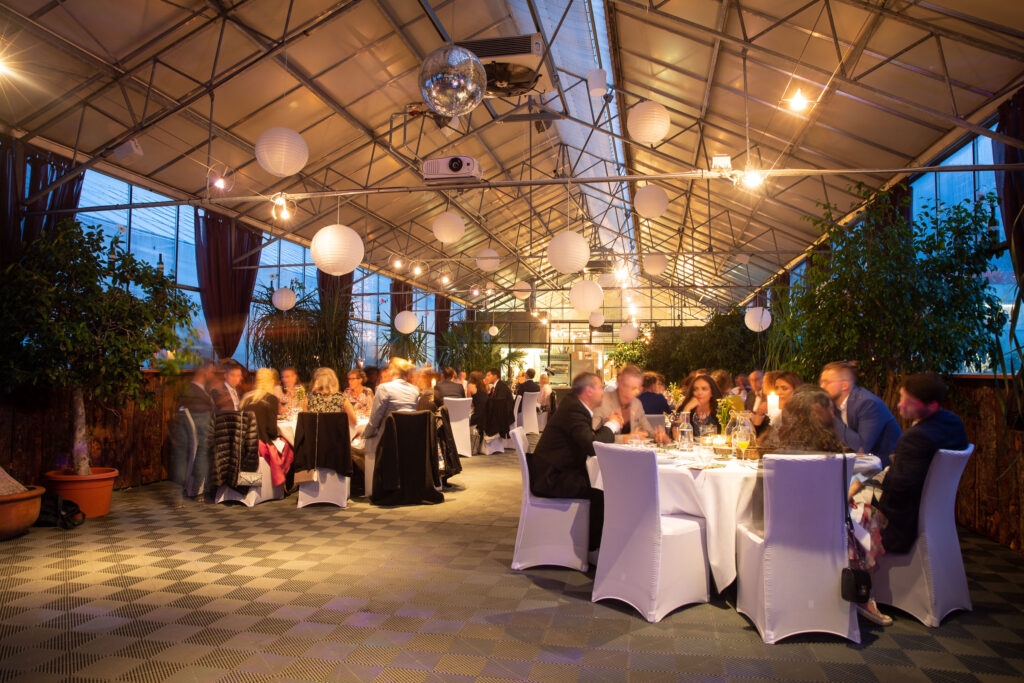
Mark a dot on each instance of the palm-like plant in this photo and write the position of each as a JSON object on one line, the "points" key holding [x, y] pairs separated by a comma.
{"points": [[412, 346]]}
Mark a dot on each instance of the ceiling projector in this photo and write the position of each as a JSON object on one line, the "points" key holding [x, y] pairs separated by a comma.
{"points": [[453, 169]]}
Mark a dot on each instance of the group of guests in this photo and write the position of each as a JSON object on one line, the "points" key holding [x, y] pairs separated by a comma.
{"points": [[834, 416]]}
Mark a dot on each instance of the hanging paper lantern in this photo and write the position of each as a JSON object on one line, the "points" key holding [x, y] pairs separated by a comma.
{"points": [[743, 259], [487, 260], [648, 122], [448, 227], [568, 252], [336, 249], [281, 151], [522, 290], [586, 296], [493, 330], [628, 332], [283, 299], [758, 318], [452, 81], [650, 201], [406, 322], [655, 264], [596, 319], [606, 280], [597, 82]]}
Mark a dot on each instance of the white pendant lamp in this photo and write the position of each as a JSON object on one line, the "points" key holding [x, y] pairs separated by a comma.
{"points": [[448, 227], [568, 252], [628, 332], [406, 322], [493, 330], [596, 319], [586, 296], [650, 201], [522, 290], [487, 260], [336, 249], [655, 264], [597, 82], [283, 299], [281, 151], [648, 122], [758, 318]]}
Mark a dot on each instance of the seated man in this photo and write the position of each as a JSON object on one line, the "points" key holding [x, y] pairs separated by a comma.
{"points": [[895, 493], [498, 416], [652, 398], [863, 420], [396, 393], [623, 401], [528, 384], [447, 387], [558, 464]]}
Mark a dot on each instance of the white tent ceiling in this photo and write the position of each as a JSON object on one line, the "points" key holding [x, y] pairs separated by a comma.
{"points": [[195, 83]]}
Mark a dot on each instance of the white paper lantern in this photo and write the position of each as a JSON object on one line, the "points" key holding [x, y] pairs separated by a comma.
{"points": [[628, 332], [406, 322], [596, 319], [487, 260], [283, 299], [655, 264], [493, 330], [650, 201], [336, 249], [648, 122], [522, 290], [281, 151], [568, 252], [606, 280], [586, 296], [758, 318], [448, 227], [743, 259], [597, 82]]}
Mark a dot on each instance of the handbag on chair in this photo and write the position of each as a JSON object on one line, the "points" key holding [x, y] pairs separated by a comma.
{"points": [[855, 585]]}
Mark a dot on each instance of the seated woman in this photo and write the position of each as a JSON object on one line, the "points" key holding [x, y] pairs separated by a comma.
{"points": [[262, 401], [291, 395], [358, 393], [652, 398], [325, 396], [785, 383], [544, 401], [701, 402]]}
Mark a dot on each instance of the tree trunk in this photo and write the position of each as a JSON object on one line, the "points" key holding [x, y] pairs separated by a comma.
{"points": [[80, 451], [8, 484]]}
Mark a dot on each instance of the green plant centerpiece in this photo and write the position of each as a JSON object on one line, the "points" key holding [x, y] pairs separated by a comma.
{"points": [[83, 313]]}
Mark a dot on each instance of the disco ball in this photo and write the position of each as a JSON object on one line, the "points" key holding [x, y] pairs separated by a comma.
{"points": [[452, 81]]}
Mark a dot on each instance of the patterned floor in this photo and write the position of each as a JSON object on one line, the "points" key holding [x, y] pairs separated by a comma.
{"points": [[165, 589]]}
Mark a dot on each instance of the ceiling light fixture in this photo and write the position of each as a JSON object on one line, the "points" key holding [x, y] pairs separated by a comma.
{"points": [[752, 178], [5, 70], [417, 270], [282, 208], [397, 264], [445, 278], [797, 102], [475, 291], [721, 163]]}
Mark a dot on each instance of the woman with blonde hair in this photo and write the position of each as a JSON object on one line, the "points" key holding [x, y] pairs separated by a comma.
{"points": [[325, 395], [262, 401]]}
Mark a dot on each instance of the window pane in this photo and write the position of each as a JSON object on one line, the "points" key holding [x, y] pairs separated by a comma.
{"points": [[310, 275], [102, 190], [292, 253], [956, 187], [270, 255], [154, 231], [205, 347], [187, 271], [923, 193]]}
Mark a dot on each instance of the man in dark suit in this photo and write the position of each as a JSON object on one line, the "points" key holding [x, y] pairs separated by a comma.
{"points": [[863, 422], [225, 396], [528, 385], [558, 464], [447, 387], [499, 405], [196, 398], [753, 399]]}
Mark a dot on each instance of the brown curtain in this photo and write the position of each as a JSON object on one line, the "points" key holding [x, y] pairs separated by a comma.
{"points": [[442, 314], [225, 290], [336, 297], [401, 297], [24, 170], [1010, 184]]}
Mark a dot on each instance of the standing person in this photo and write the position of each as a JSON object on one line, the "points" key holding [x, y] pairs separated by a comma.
{"points": [[701, 401], [864, 422], [624, 402], [652, 398], [500, 402], [447, 387], [359, 395], [196, 398], [558, 464], [293, 394], [225, 396]]}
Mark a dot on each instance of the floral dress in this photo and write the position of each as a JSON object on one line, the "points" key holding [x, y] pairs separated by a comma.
{"points": [[326, 403]]}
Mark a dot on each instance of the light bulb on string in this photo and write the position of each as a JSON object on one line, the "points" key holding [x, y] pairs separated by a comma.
{"points": [[798, 102], [752, 178], [397, 264], [475, 291], [417, 270]]}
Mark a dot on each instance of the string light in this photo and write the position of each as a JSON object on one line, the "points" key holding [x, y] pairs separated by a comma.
{"points": [[416, 270], [397, 264], [475, 291], [798, 102], [219, 183], [445, 279]]}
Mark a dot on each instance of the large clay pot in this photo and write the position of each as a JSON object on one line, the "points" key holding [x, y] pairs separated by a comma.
{"points": [[19, 511], [92, 492]]}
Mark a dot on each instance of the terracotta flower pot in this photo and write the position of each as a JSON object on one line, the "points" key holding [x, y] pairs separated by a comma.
{"points": [[92, 492], [19, 511]]}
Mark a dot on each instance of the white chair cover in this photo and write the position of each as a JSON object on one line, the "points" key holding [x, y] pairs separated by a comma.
{"points": [[542, 421], [528, 418], [651, 561], [256, 494], [789, 580], [929, 582], [327, 487], [552, 531], [495, 445], [458, 414], [515, 423]]}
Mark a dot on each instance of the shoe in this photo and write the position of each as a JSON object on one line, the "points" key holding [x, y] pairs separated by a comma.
{"points": [[875, 617]]}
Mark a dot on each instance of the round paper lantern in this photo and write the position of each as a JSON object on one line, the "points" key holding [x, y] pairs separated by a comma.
{"points": [[452, 81], [283, 299], [655, 264], [493, 330], [487, 260], [522, 290], [648, 122], [336, 249], [448, 227], [628, 332], [606, 280], [568, 252], [758, 318], [586, 296], [596, 319], [281, 151], [743, 259], [406, 322], [650, 201], [597, 82]]}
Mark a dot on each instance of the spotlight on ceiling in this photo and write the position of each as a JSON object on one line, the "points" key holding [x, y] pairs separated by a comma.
{"points": [[417, 270], [752, 178], [397, 264], [798, 102]]}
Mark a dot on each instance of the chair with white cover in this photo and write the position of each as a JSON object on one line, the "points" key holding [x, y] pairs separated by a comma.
{"points": [[789, 578], [458, 415], [552, 531], [528, 418], [507, 443], [651, 561], [260, 493], [929, 582], [325, 436], [327, 487]]}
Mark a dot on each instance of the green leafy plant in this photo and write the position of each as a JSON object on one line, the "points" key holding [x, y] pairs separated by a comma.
{"points": [[83, 315], [724, 342], [465, 347], [412, 346], [635, 352]]}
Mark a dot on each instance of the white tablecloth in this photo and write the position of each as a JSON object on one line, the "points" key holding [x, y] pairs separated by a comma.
{"points": [[287, 428]]}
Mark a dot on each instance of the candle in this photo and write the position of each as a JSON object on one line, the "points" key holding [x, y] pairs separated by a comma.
{"points": [[773, 405]]}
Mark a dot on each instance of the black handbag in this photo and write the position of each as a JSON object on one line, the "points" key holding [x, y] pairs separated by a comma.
{"points": [[855, 585]]}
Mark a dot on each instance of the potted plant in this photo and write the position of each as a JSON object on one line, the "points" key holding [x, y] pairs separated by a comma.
{"points": [[19, 506], [84, 314]]}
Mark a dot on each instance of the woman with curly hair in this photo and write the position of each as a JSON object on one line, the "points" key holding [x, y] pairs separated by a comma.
{"points": [[805, 424]]}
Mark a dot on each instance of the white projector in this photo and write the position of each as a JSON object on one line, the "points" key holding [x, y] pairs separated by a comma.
{"points": [[456, 169]]}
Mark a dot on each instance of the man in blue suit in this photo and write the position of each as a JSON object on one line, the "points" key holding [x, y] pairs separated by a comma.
{"points": [[863, 422]]}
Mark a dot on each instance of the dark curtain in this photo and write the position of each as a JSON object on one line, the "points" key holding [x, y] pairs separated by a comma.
{"points": [[442, 313], [225, 290], [336, 297], [24, 170], [401, 298], [1010, 184]]}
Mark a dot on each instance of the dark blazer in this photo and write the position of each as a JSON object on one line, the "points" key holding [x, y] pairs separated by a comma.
{"points": [[654, 403], [528, 385], [447, 389], [748, 402], [222, 397], [266, 417], [322, 440], [904, 482], [499, 413], [870, 426], [558, 465], [479, 414], [196, 399]]}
